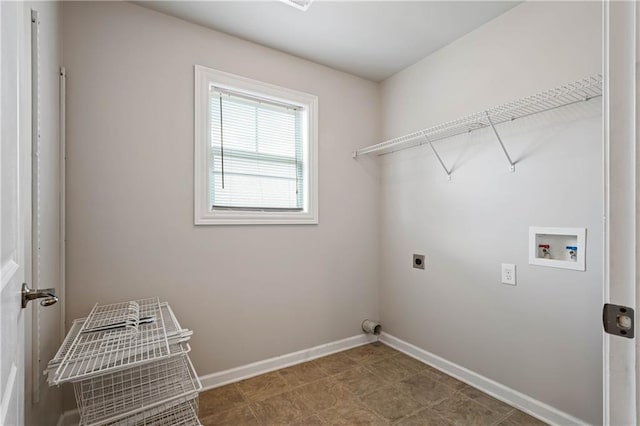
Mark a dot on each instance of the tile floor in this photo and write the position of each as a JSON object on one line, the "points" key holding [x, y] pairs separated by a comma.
{"points": [[368, 385]]}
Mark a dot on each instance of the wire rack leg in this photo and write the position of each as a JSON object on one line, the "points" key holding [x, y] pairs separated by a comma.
{"points": [[512, 165]]}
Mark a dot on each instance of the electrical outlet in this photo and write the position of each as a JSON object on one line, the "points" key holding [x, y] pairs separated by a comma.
{"points": [[509, 273], [418, 261]]}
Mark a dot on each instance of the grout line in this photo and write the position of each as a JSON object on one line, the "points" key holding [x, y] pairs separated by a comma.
{"points": [[253, 413], [505, 417], [422, 407], [366, 407], [357, 399], [501, 418], [241, 392]]}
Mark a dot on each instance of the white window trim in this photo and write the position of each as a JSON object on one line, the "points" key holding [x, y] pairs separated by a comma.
{"points": [[202, 214]]}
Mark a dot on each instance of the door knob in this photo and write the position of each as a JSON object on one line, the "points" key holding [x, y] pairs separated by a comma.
{"points": [[48, 294]]}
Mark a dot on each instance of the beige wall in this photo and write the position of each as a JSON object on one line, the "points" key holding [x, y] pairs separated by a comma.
{"points": [[248, 292], [543, 336]]}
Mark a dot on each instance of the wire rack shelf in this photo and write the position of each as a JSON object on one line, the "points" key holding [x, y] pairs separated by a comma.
{"points": [[110, 397], [114, 337], [568, 94], [176, 337], [184, 413]]}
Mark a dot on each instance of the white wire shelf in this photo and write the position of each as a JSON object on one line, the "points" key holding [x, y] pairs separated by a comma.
{"points": [[183, 413], [568, 94], [176, 336], [115, 337], [110, 397]]}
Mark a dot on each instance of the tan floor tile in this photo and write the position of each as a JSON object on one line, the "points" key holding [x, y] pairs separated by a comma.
{"points": [[390, 403], [280, 409], [302, 374], [370, 353], [241, 416], [360, 380], [444, 378], [426, 417], [336, 363], [323, 394], [482, 398], [263, 386], [391, 370], [521, 419], [425, 390], [220, 399], [410, 362], [452, 382], [308, 421], [351, 413], [462, 411]]}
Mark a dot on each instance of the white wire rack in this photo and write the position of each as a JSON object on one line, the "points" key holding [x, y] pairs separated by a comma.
{"points": [[184, 413], [114, 337], [128, 364], [110, 397], [578, 91], [176, 337]]}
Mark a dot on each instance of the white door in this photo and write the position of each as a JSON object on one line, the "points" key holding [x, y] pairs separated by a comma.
{"points": [[15, 216]]}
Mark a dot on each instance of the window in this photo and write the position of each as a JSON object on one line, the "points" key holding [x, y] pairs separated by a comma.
{"points": [[255, 152]]}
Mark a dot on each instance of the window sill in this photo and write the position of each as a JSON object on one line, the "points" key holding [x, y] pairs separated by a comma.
{"points": [[257, 218]]}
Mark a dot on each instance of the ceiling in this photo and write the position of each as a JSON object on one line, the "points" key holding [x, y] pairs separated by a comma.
{"points": [[371, 39]]}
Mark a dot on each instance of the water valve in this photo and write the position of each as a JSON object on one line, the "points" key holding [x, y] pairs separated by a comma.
{"points": [[544, 251], [572, 252]]}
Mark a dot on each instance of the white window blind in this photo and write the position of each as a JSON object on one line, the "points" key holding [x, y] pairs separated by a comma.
{"points": [[256, 153]]}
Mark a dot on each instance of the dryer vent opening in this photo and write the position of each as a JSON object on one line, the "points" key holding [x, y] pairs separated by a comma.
{"points": [[371, 327]]}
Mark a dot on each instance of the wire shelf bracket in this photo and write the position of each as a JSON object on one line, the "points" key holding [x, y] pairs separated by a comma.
{"points": [[568, 94], [446, 170], [512, 165]]}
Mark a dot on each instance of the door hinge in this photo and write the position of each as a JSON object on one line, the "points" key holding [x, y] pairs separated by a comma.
{"points": [[618, 320]]}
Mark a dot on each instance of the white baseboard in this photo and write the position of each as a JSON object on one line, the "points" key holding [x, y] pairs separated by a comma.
{"points": [[512, 397], [221, 378], [69, 418]]}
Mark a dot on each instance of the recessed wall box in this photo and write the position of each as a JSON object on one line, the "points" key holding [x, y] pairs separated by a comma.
{"points": [[558, 247]]}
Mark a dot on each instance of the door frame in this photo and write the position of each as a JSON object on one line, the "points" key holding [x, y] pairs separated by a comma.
{"points": [[620, 208]]}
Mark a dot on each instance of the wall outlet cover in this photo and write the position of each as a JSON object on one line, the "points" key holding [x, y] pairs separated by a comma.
{"points": [[509, 273]]}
